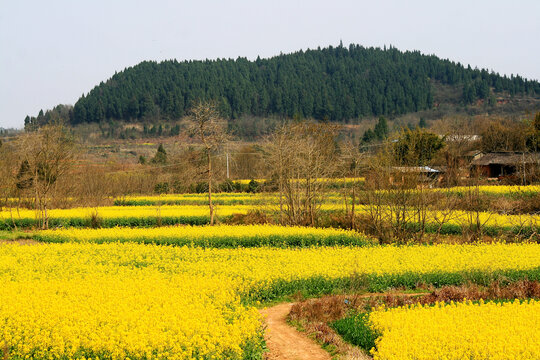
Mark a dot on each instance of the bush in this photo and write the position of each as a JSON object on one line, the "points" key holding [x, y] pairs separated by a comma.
{"points": [[253, 186], [227, 186], [161, 188], [356, 330], [201, 187]]}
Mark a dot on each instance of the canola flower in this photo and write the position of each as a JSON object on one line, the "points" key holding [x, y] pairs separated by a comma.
{"points": [[455, 331], [455, 220], [111, 216], [211, 236], [269, 199], [272, 198], [123, 215], [118, 301], [336, 181], [198, 199], [506, 190], [108, 212]]}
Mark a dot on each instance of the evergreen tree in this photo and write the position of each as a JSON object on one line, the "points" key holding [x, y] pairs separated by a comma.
{"points": [[161, 156], [369, 136], [417, 147], [381, 129], [334, 84]]}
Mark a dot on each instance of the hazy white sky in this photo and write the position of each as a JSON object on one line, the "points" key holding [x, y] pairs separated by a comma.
{"points": [[53, 51]]}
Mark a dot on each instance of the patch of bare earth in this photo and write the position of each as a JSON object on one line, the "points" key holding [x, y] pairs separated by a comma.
{"points": [[286, 343], [315, 315], [20, 242]]}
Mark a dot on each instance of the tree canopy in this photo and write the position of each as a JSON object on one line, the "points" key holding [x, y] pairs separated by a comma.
{"points": [[334, 83]]}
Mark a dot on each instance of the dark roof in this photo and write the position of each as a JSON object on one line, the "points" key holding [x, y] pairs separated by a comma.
{"points": [[507, 158]]}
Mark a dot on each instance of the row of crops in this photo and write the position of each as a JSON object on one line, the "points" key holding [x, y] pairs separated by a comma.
{"points": [[455, 330], [444, 222], [152, 281], [118, 301], [331, 198]]}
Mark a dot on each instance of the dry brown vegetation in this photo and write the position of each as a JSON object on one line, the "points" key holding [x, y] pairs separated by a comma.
{"points": [[315, 315]]}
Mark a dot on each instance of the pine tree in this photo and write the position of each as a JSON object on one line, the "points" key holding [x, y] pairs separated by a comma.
{"points": [[381, 129], [161, 156]]}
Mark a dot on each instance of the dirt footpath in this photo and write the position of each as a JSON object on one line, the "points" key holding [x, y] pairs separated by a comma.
{"points": [[284, 342]]}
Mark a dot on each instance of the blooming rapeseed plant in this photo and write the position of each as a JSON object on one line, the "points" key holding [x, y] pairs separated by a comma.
{"points": [[137, 301], [455, 331], [211, 236]]}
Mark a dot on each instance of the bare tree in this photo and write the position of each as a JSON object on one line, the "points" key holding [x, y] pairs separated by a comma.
{"points": [[211, 130], [461, 139], [303, 155], [8, 171], [350, 167], [49, 154], [398, 196]]}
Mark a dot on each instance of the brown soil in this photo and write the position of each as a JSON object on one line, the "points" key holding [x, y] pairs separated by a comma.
{"points": [[20, 241], [286, 343]]}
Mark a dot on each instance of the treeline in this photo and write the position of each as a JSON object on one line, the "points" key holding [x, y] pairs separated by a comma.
{"points": [[334, 83]]}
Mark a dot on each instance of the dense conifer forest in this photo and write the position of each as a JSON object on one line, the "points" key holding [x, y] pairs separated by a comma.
{"points": [[334, 83]]}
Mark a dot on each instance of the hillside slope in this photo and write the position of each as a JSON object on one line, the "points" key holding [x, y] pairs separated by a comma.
{"points": [[334, 83]]}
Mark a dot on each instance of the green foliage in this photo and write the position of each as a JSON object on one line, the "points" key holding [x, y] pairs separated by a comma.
{"points": [[142, 160], [200, 188], [317, 286], [161, 188], [379, 133], [232, 241], [334, 83], [417, 147], [24, 176], [161, 156], [228, 186], [356, 330], [14, 235], [59, 115], [253, 186], [369, 136], [381, 129]]}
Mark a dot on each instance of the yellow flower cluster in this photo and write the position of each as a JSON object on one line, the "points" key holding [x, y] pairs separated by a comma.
{"points": [[494, 189], [457, 331], [196, 233], [327, 180], [117, 303], [199, 199], [456, 217], [144, 301], [113, 212]]}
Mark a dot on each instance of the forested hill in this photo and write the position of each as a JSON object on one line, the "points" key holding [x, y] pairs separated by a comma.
{"points": [[334, 83]]}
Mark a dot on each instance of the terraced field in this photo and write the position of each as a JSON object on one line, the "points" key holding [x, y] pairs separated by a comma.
{"points": [[75, 300], [141, 284]]}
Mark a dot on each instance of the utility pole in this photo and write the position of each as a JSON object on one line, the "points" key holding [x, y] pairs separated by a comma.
{"points": [[227, 164]]}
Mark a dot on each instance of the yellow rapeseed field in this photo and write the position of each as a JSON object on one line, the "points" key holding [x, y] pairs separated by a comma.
{"points": [[494, 189], [244, 235], [457, 217], [112, 212], [326, 180], [457, 331], [123, 301]]}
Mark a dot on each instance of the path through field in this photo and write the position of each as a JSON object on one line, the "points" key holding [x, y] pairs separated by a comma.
{"points": [[284, 342]]}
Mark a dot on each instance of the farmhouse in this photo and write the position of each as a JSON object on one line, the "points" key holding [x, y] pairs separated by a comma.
{"points": [[505, 164]]}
